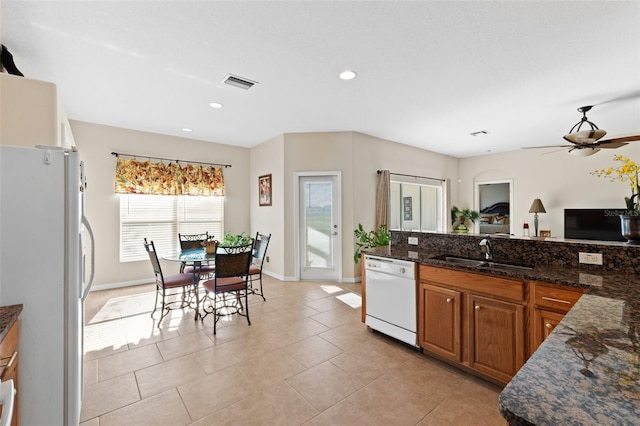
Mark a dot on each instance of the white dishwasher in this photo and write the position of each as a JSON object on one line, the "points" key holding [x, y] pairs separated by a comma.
{"points": [[391, 297]]}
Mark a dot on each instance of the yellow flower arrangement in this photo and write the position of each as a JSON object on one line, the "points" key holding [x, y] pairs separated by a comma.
{"points": [[626, 172]]}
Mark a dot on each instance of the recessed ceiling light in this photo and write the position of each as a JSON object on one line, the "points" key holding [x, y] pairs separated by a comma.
{"points": [[185, 129], [215, 105], [348, 75]]}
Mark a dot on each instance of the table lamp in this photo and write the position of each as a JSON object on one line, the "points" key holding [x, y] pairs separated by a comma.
{"points": [[536, 207]]}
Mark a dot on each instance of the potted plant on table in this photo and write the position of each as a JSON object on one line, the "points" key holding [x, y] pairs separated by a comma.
{"points": [[234, 240], [460, 218], [376, 238], [627, 172]]}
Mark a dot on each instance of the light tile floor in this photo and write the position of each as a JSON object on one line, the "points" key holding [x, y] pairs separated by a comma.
{"points": [[306, 359]]}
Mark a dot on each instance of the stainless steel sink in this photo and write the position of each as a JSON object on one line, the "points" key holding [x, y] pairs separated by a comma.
{"points": [[462, 261], [475, 263], [505, 266]]}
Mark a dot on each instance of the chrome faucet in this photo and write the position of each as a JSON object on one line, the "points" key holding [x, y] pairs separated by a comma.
{"points": [[485, 246]]}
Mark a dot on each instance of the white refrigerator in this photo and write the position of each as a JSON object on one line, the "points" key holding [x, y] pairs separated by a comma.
{"points": [[44, 236]]}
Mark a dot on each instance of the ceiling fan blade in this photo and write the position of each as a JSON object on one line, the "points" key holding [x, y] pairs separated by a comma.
{"points": [[631, 95], [548, 146], [554, 151], [611, 145], [631, 137]]}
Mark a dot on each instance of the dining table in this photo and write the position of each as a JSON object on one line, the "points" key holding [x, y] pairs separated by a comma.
{"points": [[196, 258]]}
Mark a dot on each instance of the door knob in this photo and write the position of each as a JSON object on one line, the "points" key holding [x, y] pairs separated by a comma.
{"points": [[449, 300]]}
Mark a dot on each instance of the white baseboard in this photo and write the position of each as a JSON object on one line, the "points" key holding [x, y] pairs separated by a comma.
{"points": [[110, 286]]}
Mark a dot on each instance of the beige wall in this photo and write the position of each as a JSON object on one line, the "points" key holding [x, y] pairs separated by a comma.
{"points": [[357, 157], [559, 179], [95, 144], [314, 152], [268, 158]]}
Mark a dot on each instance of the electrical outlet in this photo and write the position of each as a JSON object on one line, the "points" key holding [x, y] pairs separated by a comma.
{"points": [[413, 241], [590, 258], [267, 259]]}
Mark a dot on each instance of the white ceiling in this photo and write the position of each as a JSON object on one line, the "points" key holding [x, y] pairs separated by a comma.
{"points": [[429, 72]]}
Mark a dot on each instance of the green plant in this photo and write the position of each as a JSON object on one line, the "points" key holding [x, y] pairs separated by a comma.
{"points": [[231, 240], [375, 238], [459, 217]]}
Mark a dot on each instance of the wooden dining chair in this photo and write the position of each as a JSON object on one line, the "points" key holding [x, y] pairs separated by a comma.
{"points": [[168, 286], [260, 244], [229, 285]]}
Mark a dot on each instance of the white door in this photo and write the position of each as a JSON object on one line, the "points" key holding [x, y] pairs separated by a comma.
{"points": [[319, 219]]}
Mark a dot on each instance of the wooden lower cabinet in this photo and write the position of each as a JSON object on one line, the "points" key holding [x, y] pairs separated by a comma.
{"points": [[496, 337], [9, 364], [475, 320], [549, 303], [544, 322], [439, 314]]}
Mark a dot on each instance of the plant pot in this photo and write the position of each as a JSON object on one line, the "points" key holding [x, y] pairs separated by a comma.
{"points": [[211, 246], [630, 228]]}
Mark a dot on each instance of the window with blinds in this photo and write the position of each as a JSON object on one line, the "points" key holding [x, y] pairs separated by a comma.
{"points": [[159, 218]]}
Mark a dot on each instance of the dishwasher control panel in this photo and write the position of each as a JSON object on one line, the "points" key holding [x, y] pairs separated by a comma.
{"points": [[395, 267]]}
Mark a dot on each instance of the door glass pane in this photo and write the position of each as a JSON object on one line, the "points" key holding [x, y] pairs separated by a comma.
{"points": [[318, 218]]}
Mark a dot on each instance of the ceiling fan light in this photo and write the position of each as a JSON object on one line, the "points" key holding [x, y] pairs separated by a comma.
{"points": [[585, 136], [584, 152]]}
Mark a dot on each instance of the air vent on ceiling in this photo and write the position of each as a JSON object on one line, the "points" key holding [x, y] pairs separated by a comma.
{"points": [[243, 83]]}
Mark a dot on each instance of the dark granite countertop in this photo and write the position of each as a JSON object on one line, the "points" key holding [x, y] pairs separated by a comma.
{"points": [[588, 370], [8, 315]]}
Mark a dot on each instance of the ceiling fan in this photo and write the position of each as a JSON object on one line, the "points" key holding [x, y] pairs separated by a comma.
{"points": [[588, 141]]}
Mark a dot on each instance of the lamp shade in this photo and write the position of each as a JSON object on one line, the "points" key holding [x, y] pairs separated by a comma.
{"points": [[585, 136], [537, 207]]}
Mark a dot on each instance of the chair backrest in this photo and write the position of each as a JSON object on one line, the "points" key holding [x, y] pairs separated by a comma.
{"points": [[153, 257], [233, 261], [192, 241], [260, 244]]}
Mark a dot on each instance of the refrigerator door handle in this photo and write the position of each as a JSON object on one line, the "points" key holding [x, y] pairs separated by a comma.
{"points": [[87, 289]]}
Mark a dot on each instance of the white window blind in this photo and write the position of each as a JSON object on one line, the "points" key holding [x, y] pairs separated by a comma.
{"points": [[159, 218]]}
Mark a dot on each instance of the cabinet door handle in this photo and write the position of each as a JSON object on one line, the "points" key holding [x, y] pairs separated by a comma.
{"points": [[10, 358], [449, 300], [551, 299], [477, 307], [548, 325]]}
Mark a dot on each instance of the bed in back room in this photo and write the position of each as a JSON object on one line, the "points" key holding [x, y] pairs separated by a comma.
{"points": [[495, 219]]}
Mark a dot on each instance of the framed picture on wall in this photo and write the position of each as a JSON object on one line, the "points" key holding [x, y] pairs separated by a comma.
{"points": [[264, 190], [407, 204]]}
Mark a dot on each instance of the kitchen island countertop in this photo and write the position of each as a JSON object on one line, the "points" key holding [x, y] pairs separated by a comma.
{"points": [[588, 370], [8, 315]]}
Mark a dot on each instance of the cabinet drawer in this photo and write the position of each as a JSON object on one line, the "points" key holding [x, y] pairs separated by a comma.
{"points": [[8, 352], [555, 297], [475, 282]]}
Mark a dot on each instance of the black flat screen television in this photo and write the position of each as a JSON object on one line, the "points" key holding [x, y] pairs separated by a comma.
{"points": [[593, 224]]}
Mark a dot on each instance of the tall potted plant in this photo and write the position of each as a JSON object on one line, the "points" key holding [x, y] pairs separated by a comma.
{"points": [[461, 217], [376, 238], [627, 172]]}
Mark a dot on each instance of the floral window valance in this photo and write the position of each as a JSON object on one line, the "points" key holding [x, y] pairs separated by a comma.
{"points": [[146, 177]]}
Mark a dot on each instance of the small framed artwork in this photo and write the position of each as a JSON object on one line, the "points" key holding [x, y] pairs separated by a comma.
{"points": [[264, 190], [545, 233]]}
